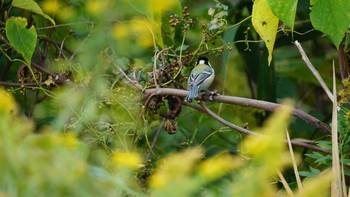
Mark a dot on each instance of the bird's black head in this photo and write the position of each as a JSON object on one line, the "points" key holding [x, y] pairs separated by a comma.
{"points": [[203, 60]]}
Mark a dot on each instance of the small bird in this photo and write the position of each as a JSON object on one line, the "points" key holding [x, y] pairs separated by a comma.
{"points": [[200, 78]]}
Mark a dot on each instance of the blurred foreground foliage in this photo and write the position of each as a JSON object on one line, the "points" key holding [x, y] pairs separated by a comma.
{"points": [[57, 164], [74, 121]]}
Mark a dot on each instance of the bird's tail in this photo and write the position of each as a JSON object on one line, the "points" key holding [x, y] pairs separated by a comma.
{"points": [[191, 95]]}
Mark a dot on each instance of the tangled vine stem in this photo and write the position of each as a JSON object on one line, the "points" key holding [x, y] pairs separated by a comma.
{"points": [[268, 106]]}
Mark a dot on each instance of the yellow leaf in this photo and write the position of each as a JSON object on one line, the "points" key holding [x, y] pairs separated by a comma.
{"points": [[265, 23], [7, 103]]}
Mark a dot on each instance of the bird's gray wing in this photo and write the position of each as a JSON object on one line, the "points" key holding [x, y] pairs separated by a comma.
{"points": [[196, 79]]}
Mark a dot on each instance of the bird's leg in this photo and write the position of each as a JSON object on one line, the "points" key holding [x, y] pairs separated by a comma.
{"points": [[202, 94], [207, 93], [212, 94]]}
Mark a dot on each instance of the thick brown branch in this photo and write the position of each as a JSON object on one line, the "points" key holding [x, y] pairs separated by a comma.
{"points": [[268, 106]]}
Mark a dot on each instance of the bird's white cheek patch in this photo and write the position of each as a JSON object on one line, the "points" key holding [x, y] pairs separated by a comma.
{"points": [[201, 62]]}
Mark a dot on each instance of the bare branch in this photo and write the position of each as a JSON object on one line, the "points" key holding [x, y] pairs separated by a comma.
{"points": [[337, 185], [300, 143], [13, 84], [160, 127], [313, 70], [268, 106]]}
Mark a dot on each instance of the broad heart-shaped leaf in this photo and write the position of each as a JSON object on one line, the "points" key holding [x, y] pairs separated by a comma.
{"points": [[21, 38], [32, 6], [284, 10], [265, 23], [332, 17]]}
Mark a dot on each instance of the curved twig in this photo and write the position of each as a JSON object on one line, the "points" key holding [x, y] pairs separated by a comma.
{"points": [[156, 56], [227, 123], [13, 84], [295, 142], [132, 82], [160, 127], [268, 106]]}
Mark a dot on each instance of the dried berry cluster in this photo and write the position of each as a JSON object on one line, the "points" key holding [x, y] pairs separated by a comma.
{"points": [[186, 22]]}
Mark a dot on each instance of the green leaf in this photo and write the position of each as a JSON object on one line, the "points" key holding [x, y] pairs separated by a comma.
{"points": [[325, 144], [346, 162], [284, 10], [324, 160], [32, 6], [306, 173], [315, 155], [331, 17], [311, 173], [346, 172], [265, 23], [21, 38], [182, 47]]}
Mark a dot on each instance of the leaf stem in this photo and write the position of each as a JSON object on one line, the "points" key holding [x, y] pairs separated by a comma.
{"points": [[242, 21]]}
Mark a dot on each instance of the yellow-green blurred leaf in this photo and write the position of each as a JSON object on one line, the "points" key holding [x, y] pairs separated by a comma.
{"points": [[175, 172], [316, 186], [268, 152], [127, 159], [31, 6], [274, 133], [218, 166]]}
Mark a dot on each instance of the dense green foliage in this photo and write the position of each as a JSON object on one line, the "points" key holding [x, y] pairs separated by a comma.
{"points": [[76, 118]]}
